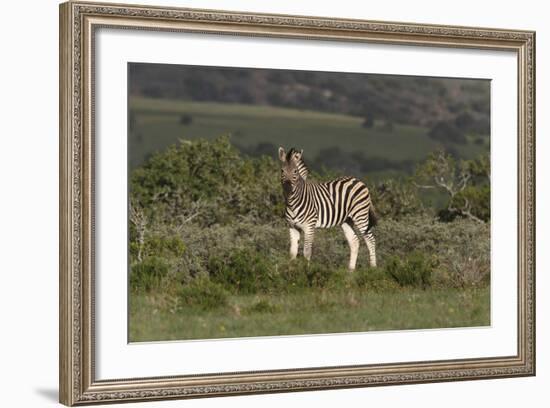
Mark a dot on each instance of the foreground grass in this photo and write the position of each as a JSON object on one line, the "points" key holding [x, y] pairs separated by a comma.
{"points": [[153, 317]]}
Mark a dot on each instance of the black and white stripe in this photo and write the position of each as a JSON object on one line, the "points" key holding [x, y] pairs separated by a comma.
{"points": [[344, 201]]}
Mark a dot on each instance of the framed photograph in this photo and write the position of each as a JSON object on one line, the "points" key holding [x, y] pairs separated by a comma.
{"points": [[256, 203]]}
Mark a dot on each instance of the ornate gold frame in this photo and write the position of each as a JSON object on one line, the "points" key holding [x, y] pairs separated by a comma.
{"points": [[78, 22]]}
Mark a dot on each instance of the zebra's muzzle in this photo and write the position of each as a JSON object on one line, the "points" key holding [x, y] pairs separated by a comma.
{"points": [[287, 187]]}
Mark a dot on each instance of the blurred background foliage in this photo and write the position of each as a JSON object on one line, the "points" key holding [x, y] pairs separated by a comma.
{"points": [[383, 124]]}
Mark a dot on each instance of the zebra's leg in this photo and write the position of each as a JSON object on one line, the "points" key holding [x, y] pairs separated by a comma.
{"points": [[361, 222], [353, 242], [308, 240], [294, 239], [371, 245]]}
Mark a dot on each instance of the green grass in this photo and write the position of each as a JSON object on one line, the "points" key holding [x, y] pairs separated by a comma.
{"points": [[154, 317], [157, 125]]}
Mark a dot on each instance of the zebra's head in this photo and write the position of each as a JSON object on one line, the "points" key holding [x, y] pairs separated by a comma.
{"points": [[292, 169]]}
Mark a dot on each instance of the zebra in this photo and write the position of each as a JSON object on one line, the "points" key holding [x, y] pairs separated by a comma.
{"points": [[344, 201]]}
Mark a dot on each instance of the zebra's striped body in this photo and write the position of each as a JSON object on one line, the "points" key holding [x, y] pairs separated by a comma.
{"points": [[309, 205]]}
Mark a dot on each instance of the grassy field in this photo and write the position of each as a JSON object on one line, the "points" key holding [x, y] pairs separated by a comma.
{"points": [[156, 125], [310, 311]]}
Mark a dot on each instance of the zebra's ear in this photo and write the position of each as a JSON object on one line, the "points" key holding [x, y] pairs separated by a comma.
{"points": [[299, 154], [282, 154]]}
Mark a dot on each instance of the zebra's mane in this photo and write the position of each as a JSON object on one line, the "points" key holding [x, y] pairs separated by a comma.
{"points": [[302, 167]]}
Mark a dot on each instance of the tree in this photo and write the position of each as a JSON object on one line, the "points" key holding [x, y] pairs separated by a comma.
{"points": [[465, 182], [464, 121]]}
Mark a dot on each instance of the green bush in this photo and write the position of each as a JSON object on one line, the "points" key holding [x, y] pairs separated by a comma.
{"points": [[249, 271], [166, 247], [376, 279], [203, 294], [324, 276], [242, 271], [251, 258], [469, 264], [396, 199], [415, 270], [461, 247], [209, 183], [148, 274], [299, 273]]}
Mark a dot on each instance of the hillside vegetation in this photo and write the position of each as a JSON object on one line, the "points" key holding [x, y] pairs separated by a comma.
{"points": [[463, 104], [335, 141]]}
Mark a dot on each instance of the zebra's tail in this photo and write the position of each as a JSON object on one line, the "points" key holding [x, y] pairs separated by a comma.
{"points": [[373, 217]]}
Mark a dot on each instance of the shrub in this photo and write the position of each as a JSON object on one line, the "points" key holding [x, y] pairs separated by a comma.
{"points": [[468, 264], [208, 183], [395, 199], [299, 273], [203, 294], [164, 246], [255, 257], [241, 271], [457, 246], [323, 276], [415, 270], [147, 275], [374, 278], [293, 274]]}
